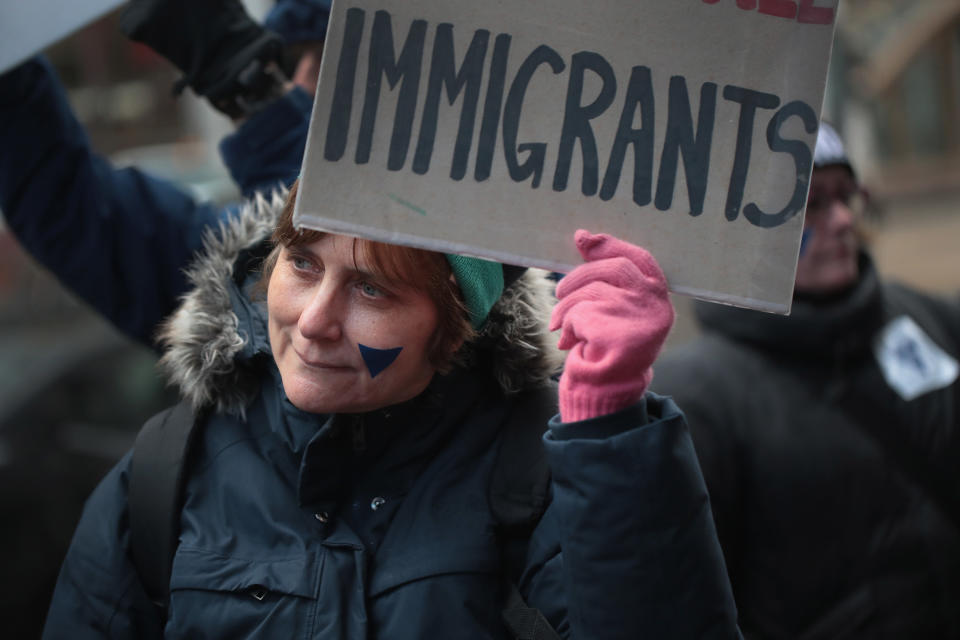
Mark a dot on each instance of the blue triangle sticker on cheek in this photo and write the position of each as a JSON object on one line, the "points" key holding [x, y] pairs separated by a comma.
{"points": [[378, 359]]}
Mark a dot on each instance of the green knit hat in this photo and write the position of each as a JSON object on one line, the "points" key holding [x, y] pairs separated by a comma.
{"points": [[481, 283]]}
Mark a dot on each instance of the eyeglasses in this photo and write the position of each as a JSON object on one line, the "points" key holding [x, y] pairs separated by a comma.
{"points": [[854, 199]]}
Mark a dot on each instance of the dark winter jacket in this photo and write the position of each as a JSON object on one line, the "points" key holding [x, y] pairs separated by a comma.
{"points": [[825, 534], [120, 238], [379, 525]]}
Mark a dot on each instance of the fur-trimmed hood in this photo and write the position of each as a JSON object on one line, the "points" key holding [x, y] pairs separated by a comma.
{"points": [[210, 341]]}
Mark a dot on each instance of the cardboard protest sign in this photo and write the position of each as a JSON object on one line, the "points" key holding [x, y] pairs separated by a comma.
{"points": [[31, 25], [496, 129]]}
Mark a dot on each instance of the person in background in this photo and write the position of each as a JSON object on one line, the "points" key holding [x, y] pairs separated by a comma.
{"points": [[120, 238], [830, 438], [354, 397]]}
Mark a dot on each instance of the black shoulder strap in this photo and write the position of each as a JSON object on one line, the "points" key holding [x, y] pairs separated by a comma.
{"points": [[155, 496], [525, 622], [521, 478], [519, 492]]}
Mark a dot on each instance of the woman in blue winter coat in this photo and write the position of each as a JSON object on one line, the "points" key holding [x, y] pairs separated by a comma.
{"points": [[353, 398]]}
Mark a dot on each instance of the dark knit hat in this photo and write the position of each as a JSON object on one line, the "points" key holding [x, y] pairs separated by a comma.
{"points": [[480, 282]]}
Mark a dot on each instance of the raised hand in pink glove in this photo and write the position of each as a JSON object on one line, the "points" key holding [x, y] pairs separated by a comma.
{"points": [[614, 315]]}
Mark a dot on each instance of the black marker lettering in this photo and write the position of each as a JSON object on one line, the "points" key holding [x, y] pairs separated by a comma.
{"points": [[576, 120], [487, 139], [339, 122], [749, 101], [681, 139], [407, 68], [802, 159], [511, 117], [639, 93], [443, 74]]}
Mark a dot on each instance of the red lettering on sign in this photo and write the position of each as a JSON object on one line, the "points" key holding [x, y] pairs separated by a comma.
{"points": [[810, 14], [779, 8], [749, 5], [805, 13]]}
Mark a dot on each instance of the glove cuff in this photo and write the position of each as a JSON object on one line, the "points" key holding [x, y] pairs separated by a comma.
{"points": [[580, 401]]}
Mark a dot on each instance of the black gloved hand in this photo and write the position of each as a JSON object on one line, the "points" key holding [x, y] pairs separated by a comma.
{"points": [[225, 55]]}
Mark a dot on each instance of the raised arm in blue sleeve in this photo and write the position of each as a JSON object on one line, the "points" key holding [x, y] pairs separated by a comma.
{"points": [[118, 238]]}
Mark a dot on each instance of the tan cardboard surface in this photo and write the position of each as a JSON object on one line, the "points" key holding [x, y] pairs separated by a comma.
{"points": [[551, 96]]}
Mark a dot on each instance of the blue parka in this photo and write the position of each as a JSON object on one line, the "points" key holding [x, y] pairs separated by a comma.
{"points": [[120, 238], [380, 525]]}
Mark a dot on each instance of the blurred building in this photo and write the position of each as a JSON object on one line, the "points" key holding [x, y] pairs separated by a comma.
{"points": [[894, 91]]}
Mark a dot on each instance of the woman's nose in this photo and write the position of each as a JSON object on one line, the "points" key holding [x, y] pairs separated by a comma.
{"points": [[322, 317]]}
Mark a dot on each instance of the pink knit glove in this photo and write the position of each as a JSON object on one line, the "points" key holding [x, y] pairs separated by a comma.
{"points": [[614, 314]]}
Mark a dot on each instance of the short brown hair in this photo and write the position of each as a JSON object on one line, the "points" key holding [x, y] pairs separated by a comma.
{"points": [[426, 271]]}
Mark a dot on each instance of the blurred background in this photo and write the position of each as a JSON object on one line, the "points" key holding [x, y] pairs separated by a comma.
{"points": [[73, 392]]}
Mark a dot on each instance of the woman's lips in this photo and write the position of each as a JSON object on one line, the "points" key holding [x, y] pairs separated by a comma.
{"points": [[322, 364]]}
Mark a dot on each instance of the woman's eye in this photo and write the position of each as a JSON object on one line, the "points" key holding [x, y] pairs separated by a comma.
{"points": [[301, 263], [369, 290]]}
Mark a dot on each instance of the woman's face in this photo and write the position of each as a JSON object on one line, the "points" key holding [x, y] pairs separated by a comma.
{"points": [[828, 255], [346, 339]]}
